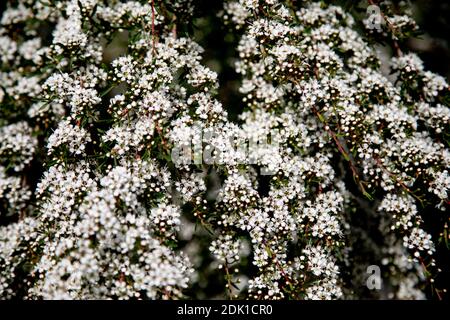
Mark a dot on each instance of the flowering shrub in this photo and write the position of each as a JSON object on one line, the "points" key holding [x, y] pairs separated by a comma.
{"points": [[124, 177]]}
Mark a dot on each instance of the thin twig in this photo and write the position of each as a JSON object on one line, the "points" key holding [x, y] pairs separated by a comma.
{"points": [[398, 51], [401, 183], [342, 151]]}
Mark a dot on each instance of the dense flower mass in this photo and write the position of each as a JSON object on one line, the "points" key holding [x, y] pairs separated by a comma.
{"points": [[122, 175]]}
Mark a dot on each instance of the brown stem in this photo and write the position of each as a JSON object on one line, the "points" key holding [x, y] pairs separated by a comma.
{"points": [[230, 294], [401, 183], [287, 279], [153, 26], [174, 28], [342, 151]]}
